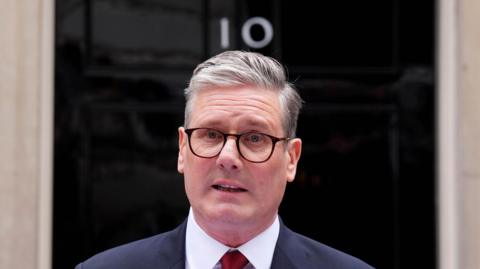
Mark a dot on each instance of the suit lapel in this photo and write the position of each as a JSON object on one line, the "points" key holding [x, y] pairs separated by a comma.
{"points": [[173, 248], [285, 254], [281, 260]]}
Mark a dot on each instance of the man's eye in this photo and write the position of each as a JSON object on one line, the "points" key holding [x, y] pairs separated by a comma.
{"points": [[254, 138], [213, 135]]}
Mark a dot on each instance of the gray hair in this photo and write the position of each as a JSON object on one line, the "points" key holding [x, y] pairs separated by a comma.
{"points": [[239, 68]]}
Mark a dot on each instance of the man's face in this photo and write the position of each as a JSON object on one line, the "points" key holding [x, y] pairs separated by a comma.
{"points": [[260, 186]]}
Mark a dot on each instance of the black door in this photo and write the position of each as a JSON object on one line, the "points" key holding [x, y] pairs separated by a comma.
{"points": [[365, 182]]}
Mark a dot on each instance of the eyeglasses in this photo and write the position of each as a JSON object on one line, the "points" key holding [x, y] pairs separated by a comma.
{"points": [[252, 146]]}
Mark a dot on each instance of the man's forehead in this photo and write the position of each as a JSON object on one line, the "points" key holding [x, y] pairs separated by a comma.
{"points": [[239, 96], [253, 106]]}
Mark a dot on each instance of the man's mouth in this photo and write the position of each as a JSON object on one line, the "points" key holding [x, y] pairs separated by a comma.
{"points": [[228, 188]]}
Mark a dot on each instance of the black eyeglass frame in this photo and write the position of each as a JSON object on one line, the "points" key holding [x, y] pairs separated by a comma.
{"points": [[237, 142]]}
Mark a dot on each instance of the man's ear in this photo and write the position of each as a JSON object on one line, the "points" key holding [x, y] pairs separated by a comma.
{"points": [[294, 151], [182, 142]]}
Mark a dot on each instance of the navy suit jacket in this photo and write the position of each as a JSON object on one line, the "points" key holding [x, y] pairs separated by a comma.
{"points": [[167, 251]]}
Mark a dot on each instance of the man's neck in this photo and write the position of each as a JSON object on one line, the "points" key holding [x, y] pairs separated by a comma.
{"points": [[232, 234]]}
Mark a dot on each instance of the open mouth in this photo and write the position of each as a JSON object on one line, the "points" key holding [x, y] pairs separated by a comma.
{"points": [[228, 188]]}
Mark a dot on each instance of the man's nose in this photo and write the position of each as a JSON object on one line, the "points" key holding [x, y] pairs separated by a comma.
{"points": [[229, 158]]}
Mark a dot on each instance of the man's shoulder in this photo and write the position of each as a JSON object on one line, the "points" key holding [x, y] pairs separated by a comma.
{"points": [[165, 249], [298, 247]]}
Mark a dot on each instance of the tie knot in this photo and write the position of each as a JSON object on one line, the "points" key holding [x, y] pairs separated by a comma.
{"points": [[233, 260]]}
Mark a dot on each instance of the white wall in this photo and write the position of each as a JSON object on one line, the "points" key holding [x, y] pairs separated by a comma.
{"points": [[26, 91], [469, 138], [459, 134]]}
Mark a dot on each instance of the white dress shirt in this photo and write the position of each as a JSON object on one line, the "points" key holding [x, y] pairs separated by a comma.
{"points": [[202, 251]]}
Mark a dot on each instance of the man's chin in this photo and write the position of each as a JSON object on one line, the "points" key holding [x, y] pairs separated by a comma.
{"points": [[230, 214]]}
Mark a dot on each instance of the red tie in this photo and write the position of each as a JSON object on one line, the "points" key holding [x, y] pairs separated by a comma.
{"points": [[233, 260]]}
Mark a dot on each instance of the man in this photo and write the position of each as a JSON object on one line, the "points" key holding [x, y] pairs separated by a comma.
{"points": [[237, 151]]}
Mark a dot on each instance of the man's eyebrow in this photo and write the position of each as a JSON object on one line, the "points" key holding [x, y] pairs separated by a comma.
{"points": [[256, 123]]}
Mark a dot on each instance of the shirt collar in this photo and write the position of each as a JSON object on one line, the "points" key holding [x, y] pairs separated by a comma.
{"points": [[202, 251], [259, 250]]}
